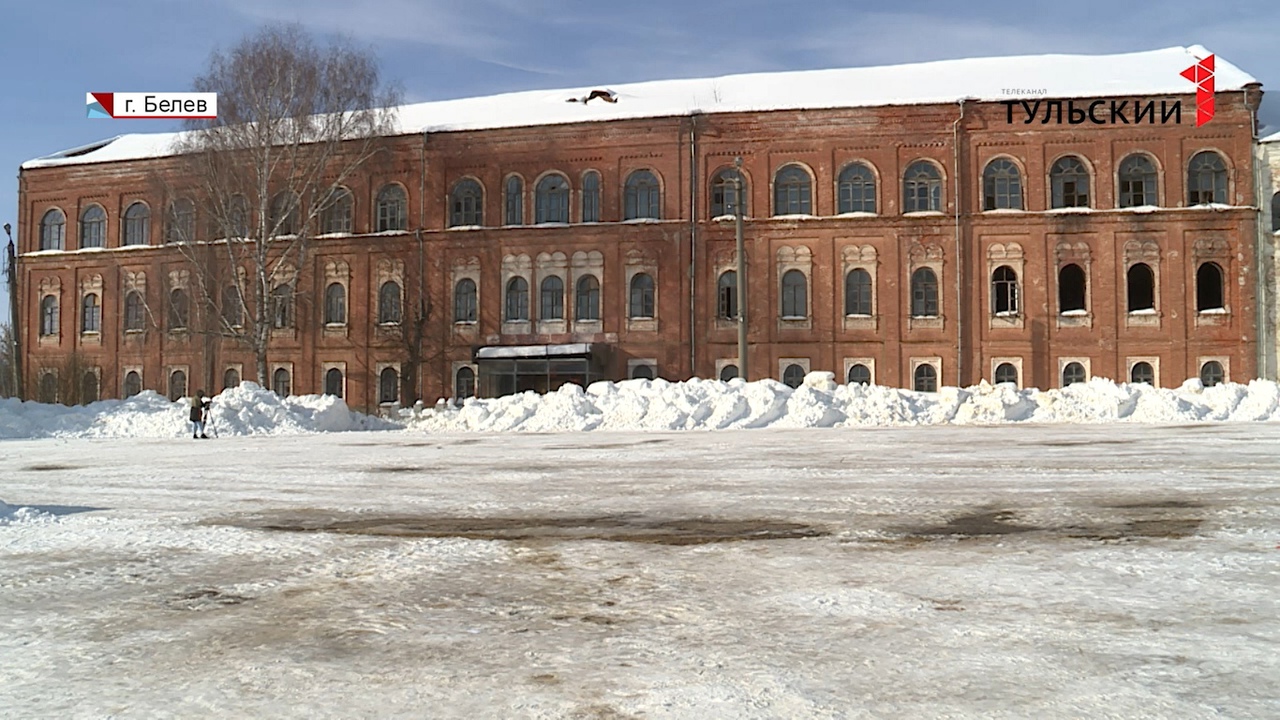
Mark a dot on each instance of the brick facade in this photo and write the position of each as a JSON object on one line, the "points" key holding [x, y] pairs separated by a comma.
{"points": [[685, 250]]}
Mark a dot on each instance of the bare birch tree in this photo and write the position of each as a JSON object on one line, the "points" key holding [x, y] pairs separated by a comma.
{"points": [[296, 121]]}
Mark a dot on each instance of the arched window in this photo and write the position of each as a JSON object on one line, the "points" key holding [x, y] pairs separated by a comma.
{"points": [[282, 307], [795, 295], [793, 376], [283, 219], [1137, 182], [466, 204], [551, 200], [1275, 213], [281, 383], [391, 209], [180, 226], [1142, 287], [1142, 372], [1206, 179], [588, 298], [792, 191], [1211, 373], [232, 308], [1071, 288], [642, 303], [132, 383], [921, 188], [389, 303], [1072, 373], [924, 293], [925, 378], [237, 216], [335, 304], [728, 372], [336, 216], [515, 201], [179, 310], [137, 225], [551, 299], [230, 379], [333, 382], [1004, 291], [859, 374], [724, 193], [466, 304], [857, 292], [1069, 180], [93, 227], [48, 388], [388, 386], [89, 388], [49, 315], [727, 294], [177, 385], [53, 230], [642, 372], [90, 314], [856, 189], [590, 196], [1209, 287], [517, 309], [1006, 373], [643, 196], [134, 310], [464, 384], [1001, 186]]}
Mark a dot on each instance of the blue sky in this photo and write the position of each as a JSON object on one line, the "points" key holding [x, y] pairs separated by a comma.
{"points": [[54, 51]]}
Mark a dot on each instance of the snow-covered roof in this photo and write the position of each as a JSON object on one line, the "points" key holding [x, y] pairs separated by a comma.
{"points": [[1155, 72], [1271, 138]]}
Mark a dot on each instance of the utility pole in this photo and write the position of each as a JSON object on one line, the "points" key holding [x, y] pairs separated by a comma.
{"points": [[742, 268], [11, 275]]}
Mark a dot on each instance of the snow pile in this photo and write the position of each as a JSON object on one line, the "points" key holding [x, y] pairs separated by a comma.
{"points": [[660, 405], [20, 514], [246, 410], [820, 402]]}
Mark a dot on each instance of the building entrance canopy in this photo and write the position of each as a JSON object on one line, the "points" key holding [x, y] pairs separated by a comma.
{"points": [[511, 369]]}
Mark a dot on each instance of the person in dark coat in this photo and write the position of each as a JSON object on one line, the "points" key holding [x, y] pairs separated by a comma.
{"points": [[199, 413]]}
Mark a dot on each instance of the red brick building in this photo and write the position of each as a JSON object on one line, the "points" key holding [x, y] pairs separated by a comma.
{"points": [[911, 226]]}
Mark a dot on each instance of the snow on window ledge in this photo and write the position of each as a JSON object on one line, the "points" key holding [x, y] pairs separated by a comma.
{"points": [[1214, 311], [1074, 313]]}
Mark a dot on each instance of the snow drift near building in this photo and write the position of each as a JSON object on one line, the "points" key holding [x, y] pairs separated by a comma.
{"points": [[246, 410], [821, 402], [660, 405]]}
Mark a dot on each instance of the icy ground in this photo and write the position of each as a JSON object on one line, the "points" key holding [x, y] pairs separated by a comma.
{"points": [[1014, 571]]}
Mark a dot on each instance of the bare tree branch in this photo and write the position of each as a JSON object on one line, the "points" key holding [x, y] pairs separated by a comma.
{"points": [[296, 121]]}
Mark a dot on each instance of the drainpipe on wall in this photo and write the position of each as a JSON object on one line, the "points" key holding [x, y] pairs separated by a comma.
{"points": [[418, 372], [693, 242], [955, 142], [1264, 355]]}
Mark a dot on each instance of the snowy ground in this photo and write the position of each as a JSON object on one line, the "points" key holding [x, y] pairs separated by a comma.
{"points": [[1046, 571]]}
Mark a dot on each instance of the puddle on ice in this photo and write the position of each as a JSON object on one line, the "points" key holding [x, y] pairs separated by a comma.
{"points": [[614, 528], [1123, 521]]}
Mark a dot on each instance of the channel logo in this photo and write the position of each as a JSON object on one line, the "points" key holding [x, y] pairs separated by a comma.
{"points": [[1202, 75], [152, 106]]}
